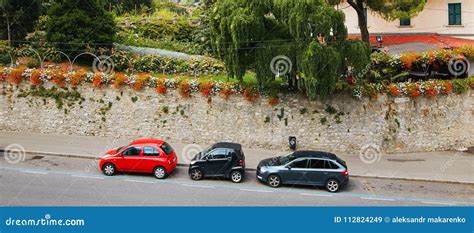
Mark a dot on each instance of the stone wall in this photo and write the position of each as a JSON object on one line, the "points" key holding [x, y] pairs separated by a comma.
{"points": [[342, 124]]}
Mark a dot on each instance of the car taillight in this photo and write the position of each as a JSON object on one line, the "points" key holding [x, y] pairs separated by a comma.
{"points": [[169, 161], [345, 173], [241, 162]]}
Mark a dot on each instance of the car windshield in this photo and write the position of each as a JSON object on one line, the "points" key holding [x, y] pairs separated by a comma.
{"points": [[286, 159], [118, 149], [167, 148], [204, 152]]}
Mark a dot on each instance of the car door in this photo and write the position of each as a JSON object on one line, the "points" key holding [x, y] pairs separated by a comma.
{"points": [[130, 159], [217, 161], [295, 172], [150, 159], [316, 171]]}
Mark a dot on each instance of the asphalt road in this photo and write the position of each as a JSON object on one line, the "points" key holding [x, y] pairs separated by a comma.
{"points": [[58, 181]]}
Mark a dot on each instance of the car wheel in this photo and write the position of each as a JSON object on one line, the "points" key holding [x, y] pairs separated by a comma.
{"points": [[236, 176], [108, 169], [160, 172], [196, 174], [332, 185], [274, 181]]}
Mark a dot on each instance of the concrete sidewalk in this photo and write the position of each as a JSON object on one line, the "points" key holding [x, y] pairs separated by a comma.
{"points": [[445, 166]]}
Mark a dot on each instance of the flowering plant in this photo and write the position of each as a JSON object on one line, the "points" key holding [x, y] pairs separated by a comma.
{"points": [[184, 89], [250, 94], [161, 86], [120, 79], [206, 88], [35, 77]]}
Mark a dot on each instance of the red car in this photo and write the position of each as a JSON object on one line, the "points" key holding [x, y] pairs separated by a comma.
{"points": [[142, 155]]}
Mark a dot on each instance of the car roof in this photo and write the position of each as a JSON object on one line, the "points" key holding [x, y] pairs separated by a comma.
{"points": [[147, 141], [230, 145], [314, 154]]}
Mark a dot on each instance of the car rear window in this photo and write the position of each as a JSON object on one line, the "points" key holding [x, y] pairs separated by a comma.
{"points": [[340, 161], [167, 148]]}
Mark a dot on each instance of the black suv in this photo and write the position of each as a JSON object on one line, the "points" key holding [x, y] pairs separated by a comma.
{"points": [[315, 168], [223, 159]]}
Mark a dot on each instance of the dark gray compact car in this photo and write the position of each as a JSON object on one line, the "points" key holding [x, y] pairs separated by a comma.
{"points": [[223, 159], [315, 168]]}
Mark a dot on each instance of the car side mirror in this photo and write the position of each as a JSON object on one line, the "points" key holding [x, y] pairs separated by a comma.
{"points": [[289, 167]]}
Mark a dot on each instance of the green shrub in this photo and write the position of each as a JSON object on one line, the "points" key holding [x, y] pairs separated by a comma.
{"points": [[78, 25]]}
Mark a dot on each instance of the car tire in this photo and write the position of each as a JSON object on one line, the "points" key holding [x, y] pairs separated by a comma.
{"points": [[274, 181], [196, 174], [108, 169], [160, 172], [333, 185], [236, 176]]}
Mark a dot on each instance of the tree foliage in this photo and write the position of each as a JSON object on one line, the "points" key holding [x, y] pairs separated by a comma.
{"points": [[77, 25], [249, 34], [17, 18], [389, 10], [122, 6]]}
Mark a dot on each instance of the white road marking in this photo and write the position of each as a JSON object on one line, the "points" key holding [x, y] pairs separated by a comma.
{"points": [[197, 186], [377, 199], [141, 181], [34, 172], [316, 194], [256, 190], [437, 203], [92, 177]]}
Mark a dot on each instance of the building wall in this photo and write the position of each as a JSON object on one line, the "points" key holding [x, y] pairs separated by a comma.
{"points": [[433, 19], [388, 124]]}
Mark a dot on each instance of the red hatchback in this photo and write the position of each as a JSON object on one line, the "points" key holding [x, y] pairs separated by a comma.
{"points": [[142, 155]]}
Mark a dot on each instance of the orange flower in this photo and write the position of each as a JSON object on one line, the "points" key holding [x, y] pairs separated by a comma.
{"points": [[120, 79], [59, 78], [250, 94], [430, 90], [77, 77], [447, 88], [226, 92], [161, 87], [393, 90], [206, 88], [409, 58], [413, 90], [97, 80], [184, 89], [35, 77], [16, 75], [273, 101], [140, 81]]}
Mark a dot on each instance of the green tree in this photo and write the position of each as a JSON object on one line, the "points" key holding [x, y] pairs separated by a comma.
{"points": [[250, 34], [17, 19], [78, 25], [389, 10]]}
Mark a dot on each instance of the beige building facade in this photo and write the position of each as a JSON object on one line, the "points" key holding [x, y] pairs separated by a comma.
{"points": [[453, 18]]}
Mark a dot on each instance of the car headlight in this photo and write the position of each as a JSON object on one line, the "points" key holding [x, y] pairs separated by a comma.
{"points": [[263, 169]]}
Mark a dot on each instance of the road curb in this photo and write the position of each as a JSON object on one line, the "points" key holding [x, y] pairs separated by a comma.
{"points": [[78, 156]]}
